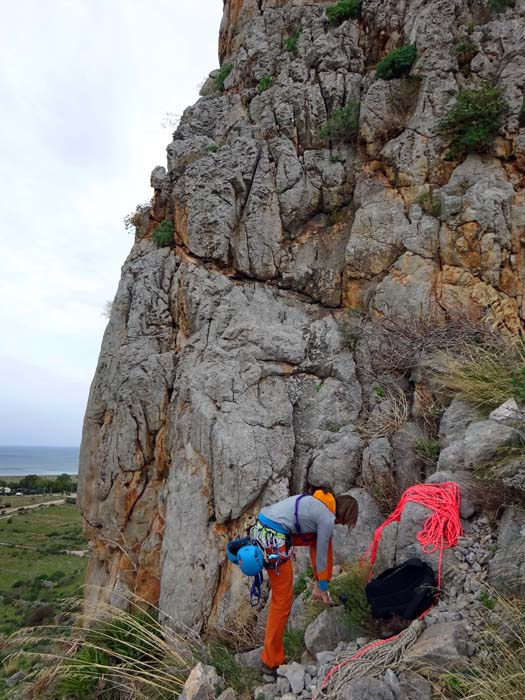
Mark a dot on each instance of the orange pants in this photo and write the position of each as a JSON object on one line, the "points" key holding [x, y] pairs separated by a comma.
{"points": [[281, 584]]}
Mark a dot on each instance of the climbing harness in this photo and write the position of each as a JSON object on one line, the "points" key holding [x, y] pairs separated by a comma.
{"points": [[440, 531]]}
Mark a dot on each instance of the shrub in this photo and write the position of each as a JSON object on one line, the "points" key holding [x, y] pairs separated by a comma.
{"points": [[521, 116], [466, 50], [351, 329], [397, 63], [293, 641], [349, 588], [241, 678], [427, 449], [485, 375], [119, 651], [474, 120], [402, 101], [134, 220], [343, 124], [265, 83], [343, 10], [163, 234], [39, 615], [500, 5], [224, 72], [430, 204], [290, 43], [212, 149]]}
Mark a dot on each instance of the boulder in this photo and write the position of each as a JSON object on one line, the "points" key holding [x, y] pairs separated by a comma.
{"points": [[510, 414], [349, 546], [327, 630], [455, 421], [444, 645], [366, 689], [452, 457], [507, 567], [202, 683], [484, 439], [251, 659], [295, 674], [228, 694]]}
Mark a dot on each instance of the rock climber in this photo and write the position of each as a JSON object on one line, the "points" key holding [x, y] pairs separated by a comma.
{"points": [[299, 521]]}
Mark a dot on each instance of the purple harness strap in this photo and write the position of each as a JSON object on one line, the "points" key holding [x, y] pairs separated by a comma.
{"points": [[312, 537]]}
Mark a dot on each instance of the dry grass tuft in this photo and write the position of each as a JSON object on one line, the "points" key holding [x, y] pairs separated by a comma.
{"points": [[104, 651], [388, 416], [486, 375]]}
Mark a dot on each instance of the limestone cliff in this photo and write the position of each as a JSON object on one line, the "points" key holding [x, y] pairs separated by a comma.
{"points": [[225, 380]]}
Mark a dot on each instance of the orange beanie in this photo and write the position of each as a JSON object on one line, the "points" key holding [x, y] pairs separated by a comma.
{"points": [[326, 498]]}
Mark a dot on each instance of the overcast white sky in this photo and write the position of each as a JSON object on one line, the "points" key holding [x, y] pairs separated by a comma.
{"points": [[84, 88]]}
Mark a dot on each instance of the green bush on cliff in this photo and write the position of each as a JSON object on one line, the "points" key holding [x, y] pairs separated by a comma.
{"points": [[343, 10], [265, 83], [224, 72], [473, 122], [290, 43], [500, 5], [164, 233], [343, 124], [397, 63]]}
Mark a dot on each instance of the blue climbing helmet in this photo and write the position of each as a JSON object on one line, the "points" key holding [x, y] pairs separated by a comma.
{"points": [[250, 559]]}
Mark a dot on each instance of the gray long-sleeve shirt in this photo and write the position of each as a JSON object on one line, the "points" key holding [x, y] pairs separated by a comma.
{"points": [[313, 516]]}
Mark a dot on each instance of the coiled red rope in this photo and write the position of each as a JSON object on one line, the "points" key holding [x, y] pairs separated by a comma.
{"points": [[440, 531]]}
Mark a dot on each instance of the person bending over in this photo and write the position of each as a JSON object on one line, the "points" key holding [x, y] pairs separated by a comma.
{"points": [[299, 521]]}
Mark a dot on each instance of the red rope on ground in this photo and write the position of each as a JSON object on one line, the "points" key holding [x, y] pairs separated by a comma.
{"points": [[440, 531]]}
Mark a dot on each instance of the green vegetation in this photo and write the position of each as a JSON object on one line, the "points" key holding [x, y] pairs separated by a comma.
{"points": [[241, 678], [474, 121], [487, 601], [430, 204], [33, 484], [518, 385], [343, 124], [265, 83], [500, 5], [336, 158], [212, 149], [343, 10], [427, 449], [301, 584], [224, 72], [105, 649], [33, 552], [349, 588], [466, 50], [164, 233], [485, 375], [397, 63], [521, 116], [294, 646], [132, 221], [351, 328], [290, 43]]}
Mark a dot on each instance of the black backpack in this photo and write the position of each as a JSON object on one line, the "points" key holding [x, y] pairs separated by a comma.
{"points": [[406, 590]]}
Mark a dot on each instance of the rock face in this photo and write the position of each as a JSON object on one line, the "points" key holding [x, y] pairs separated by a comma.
{"points": [[228, 375]]}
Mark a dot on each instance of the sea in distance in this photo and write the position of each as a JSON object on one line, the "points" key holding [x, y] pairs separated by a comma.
{"points": [[42, 461]]}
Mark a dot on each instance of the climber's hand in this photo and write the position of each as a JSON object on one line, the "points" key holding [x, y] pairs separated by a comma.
{"points": [[321, 596]]}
